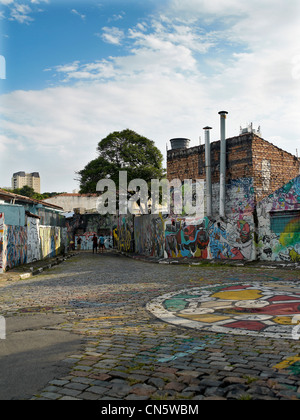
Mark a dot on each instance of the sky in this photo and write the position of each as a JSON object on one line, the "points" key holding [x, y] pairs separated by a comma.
{"points": [[73, 71]]}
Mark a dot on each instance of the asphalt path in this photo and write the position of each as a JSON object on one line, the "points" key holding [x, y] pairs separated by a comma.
{"points": [[32, 354]]}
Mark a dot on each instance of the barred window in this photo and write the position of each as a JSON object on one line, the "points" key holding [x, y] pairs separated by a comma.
{"points": [[285, 221]]}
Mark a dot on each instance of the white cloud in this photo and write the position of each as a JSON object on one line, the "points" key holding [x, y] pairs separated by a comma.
{"points": [[75, 12], [21, 12], [112, 35]]}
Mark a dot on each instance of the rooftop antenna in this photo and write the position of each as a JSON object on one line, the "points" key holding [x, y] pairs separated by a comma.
{"points": [[199, 140]]}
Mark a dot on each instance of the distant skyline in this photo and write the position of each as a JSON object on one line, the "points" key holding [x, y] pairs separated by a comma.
{"points": [[77, 70]]}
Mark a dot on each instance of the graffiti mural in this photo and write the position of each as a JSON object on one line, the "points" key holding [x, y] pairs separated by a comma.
{"points": [[205, 239], [87, 242], [16, 246], [149, 235], [51, 242], [240, 197], [123, 234], [187, 237], [33, 240], [232, 240], [2, 243], [279, 224]]}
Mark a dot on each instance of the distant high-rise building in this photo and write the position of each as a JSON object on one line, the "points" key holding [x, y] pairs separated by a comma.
{"points": [[21, 179]]}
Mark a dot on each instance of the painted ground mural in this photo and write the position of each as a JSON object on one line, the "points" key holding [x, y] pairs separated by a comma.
{"points": [[241, 309], [279, 224]]}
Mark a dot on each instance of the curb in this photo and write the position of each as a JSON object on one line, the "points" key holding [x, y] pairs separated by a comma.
{"points": [[34, 271], [273, 265]]}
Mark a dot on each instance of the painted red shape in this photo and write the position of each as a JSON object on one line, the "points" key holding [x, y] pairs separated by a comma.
{"points": [[234, 288], [282, 298], [247, 325]]}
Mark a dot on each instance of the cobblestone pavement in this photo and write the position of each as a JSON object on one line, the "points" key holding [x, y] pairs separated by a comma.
{"points": [[130, 354]]}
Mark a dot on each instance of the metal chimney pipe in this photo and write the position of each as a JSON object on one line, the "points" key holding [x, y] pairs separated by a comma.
{"points": [[223, 163], [208, 171]]}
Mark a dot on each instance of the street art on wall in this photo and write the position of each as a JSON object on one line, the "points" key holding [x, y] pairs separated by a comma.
{"points": [[123, 234], [187, 237], [33, 240], [149, 235], [16, 246], [279, 224], [2, 235], [51, 242], [240, 197], [87, 241], [208, 238], [205, 239], [232, 239]]}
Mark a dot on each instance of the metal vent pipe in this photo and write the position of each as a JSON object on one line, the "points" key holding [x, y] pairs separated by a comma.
{"points": [[208, 171], [223, 115]]}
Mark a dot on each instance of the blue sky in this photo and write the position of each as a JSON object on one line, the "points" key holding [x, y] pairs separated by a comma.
{"points": [[78, 70]]}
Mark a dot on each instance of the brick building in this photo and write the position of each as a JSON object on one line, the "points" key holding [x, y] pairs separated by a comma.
{"points": [[252, 199], [247, 156]]}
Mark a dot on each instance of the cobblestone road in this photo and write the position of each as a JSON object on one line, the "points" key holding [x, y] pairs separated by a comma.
{"points": [[129, 354]]}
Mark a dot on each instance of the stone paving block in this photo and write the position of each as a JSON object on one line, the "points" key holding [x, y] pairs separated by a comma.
{"points": [[121, 358]]}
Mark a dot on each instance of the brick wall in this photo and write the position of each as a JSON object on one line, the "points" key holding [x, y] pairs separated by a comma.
{"points": [[190, 163], [272, 167], [248, 156]]}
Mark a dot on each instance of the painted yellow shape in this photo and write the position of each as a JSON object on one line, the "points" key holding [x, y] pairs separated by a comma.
{"points": [[238, 295], [209, 319], [287, 362], [283, 320]]}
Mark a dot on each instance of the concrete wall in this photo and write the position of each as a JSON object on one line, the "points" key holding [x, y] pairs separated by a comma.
{"points": [[24, 240], [74, 201], [14, 214]]}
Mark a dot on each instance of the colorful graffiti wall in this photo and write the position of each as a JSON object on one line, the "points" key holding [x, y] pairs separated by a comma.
{"points": [[2, 227], [16, 246], [123, 234], [51, 243], [87, 241], [279, 224], [176, 236], [149, 235], [33, 240], [205, 239]]}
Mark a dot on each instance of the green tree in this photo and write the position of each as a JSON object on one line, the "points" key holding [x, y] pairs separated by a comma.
{"points": [[122, 151], [25, 191]]}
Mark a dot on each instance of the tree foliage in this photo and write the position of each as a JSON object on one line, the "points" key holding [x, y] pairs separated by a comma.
{"points": [[122, 151]]}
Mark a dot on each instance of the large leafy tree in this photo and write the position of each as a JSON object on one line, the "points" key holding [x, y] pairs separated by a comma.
{"points": [[122, 151]]}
